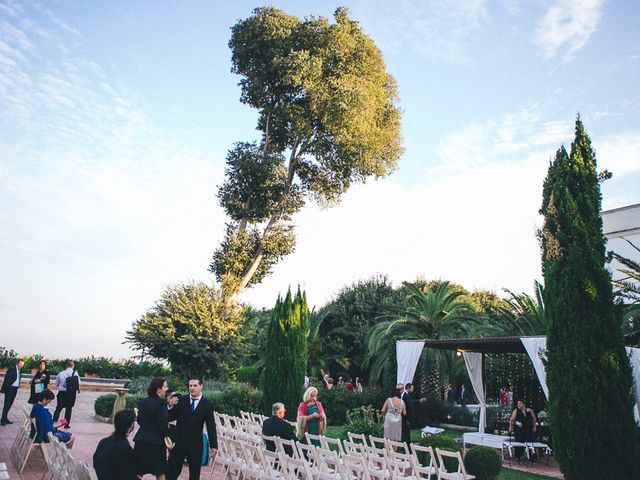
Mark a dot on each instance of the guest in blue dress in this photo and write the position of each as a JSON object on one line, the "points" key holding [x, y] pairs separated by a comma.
{"points": [[44, 422]]}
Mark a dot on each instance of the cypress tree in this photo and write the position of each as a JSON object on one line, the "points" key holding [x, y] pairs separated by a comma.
{"points": [[286, 355], [588, 372]]}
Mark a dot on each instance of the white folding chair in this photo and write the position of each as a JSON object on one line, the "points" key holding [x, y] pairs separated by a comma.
{"points": [[355, 467], [378, 442], [23, 445], [400, 447], [236, 463], [308, 452], [426, 466], [377, 465], [273, 465], [332, 444], [282, 445], [444, 474], [245, 415], [313, 439], [355, 449], [357, 438], [296, 469], [254, 463], [329, 467], [402, 466]]}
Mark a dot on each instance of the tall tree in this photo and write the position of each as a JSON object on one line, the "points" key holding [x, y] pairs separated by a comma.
{"points": [[286, 354], [328, 116], [589, 377], [191, 328]]}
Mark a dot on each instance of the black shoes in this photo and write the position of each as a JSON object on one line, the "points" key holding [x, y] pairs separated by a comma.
{"points": [[5, 422]]}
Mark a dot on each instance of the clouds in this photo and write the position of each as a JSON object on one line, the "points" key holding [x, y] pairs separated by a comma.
{"points": [[567, 26]]}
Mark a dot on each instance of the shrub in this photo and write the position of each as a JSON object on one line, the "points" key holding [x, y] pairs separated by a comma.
{"points": [[483, 462], [443, 443], [365, 420], [336, 402], [236, 398], [103, 405], [249, 375], [7, 357]]}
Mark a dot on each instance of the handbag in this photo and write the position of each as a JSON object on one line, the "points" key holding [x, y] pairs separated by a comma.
{"points": [[38, 387]]}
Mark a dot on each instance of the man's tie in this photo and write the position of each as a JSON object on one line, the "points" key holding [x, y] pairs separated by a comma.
{"points": [[193, 405], [18, 376]]}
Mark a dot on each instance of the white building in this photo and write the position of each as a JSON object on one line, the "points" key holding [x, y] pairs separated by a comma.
{"points": [[620, 224]]}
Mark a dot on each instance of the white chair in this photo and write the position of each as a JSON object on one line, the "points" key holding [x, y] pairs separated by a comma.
{"points": [[282, 445], [355, 467], [308, 452], [296, 469], [402, 466], [329, 465], [236, 463], [274, 469], [23, 445], [355, 449], [378, 442], [357, 438], [253, 462], [377, 465], [313, 439], [425, 470], [401, 447], [444, 474], [332, 444]]}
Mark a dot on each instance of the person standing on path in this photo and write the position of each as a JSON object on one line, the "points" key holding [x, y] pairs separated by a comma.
{"points": [[410, 404], [68, 383], [10, 387], [39, 382], [191, 413]]}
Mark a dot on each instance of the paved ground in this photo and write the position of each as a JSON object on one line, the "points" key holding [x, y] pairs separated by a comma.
{"points": [[85, 427], [89, 431]]}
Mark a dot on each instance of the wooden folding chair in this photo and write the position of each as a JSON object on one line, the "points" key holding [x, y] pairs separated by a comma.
{"points": [[425, 461], [357, 438]]}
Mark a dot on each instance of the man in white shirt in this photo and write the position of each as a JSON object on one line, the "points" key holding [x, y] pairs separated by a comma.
{"points": [[68, 387], [10, 387]]}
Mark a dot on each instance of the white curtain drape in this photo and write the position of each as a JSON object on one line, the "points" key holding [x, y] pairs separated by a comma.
{"points": [[407, 357], [634, 359], [536, 348], [473, 361]]}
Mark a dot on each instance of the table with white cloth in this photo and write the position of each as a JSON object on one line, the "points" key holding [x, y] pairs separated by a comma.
{"points": [[484, 439]]}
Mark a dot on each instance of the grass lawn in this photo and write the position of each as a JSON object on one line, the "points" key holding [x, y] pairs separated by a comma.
{"points": [[506, 474]]}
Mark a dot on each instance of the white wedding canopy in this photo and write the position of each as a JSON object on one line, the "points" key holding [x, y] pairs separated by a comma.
{"points": [[408, 354]]}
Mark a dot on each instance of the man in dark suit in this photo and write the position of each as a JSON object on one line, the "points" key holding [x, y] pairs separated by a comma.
{"points": [[277, 426], [410, 403], [191, 412], [10, 388]]}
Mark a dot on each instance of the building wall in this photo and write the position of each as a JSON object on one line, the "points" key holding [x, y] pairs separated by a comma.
{"points": [[620, 224]]}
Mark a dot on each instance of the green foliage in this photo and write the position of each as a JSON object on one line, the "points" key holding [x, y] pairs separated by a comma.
{"points": [[324, 97], [8, 357], [525, 314], [235, 398], [103, 405], [250, 375], [433, 313], [337, 402], [341, 339], [483, 462], [230, 400], [588, 374], [366, 420], [286, 355], [442, 442], [192, 328], [445, 412]]}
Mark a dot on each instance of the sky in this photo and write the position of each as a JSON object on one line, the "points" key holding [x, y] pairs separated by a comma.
{"points": [[115, 119]]}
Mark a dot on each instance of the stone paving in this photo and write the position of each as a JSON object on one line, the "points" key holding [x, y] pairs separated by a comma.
{"points": [[89, 432]]}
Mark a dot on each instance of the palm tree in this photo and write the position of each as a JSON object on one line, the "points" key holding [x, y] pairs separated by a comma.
{"points": [[432, 313], [628, 291], [525, 314]]}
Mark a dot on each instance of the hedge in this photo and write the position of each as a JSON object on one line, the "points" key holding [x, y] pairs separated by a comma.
{"points": [[336, 402], [483, 462]]}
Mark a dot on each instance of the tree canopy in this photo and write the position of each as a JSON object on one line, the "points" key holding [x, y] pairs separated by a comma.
{"points": [[328, 118], [190, 327]]}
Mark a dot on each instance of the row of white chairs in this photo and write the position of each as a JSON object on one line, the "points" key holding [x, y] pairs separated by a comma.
{"points": [[58, 461], [242, 454], [61, 465]]}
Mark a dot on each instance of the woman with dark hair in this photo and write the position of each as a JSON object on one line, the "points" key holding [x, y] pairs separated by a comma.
{"points": [[394, 409], [113, 458], [523, 423], [39, 382], [149, 451], [45, 424]]}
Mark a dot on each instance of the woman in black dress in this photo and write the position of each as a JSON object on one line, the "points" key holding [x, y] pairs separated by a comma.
{"points": [[150, 451], [39, 382], [523, 424]]}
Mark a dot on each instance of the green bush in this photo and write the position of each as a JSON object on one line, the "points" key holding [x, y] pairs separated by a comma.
{"points": [[336, 402], [443, 443], [483, 462], [236, 398], [249, 375], [103, 405], [365, 420], [7, 357]]}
